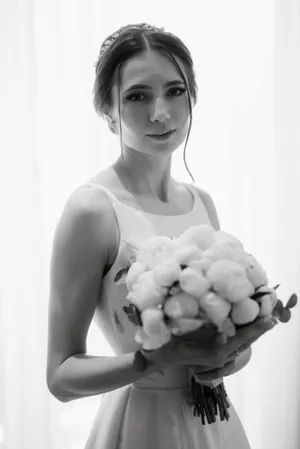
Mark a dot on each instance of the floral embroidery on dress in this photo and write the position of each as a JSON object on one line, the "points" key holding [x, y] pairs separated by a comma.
{"points": [[118, 323]]}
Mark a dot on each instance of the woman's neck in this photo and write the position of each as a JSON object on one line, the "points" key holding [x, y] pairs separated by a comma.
{"points": [[146, 177]]}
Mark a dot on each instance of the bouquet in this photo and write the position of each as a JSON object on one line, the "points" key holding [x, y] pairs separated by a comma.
{"points": [[178, 285]]}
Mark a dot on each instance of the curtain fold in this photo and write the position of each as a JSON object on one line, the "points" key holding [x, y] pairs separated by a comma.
{"points": [[244, 149]]}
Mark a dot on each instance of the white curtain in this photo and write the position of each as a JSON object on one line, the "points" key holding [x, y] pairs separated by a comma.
{"points": [[244, 149]]}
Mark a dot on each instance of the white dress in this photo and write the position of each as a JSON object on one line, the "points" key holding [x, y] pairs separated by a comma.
{"points": [[155, 412]]}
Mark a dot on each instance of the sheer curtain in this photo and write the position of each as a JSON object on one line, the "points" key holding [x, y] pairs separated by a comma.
{"points": [[244, 149]]}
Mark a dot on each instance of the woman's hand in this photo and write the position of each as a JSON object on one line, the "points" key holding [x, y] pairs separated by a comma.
{"points": [[203, 374], [204, 348]]}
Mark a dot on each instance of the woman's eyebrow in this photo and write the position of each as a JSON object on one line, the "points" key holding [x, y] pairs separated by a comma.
{"points": [[143, 86]]}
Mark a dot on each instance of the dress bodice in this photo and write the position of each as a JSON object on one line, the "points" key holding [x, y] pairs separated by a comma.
{"points": [[136, 227]]}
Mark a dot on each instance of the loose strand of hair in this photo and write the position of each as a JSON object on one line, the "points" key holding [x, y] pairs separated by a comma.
{"points": [[190, 109], [120, 121]]}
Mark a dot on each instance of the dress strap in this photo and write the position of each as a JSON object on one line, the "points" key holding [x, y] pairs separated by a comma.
{"points": [[111, 196]]}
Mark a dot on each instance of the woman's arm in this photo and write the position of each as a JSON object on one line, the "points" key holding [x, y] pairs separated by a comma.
{"points": [[83, 239], [83, 375]]}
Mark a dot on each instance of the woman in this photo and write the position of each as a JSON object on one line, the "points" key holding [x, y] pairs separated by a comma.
{"points": [[145, 88]]}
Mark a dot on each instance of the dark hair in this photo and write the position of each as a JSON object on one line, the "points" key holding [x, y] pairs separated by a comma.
{"points": [[133, 40]]}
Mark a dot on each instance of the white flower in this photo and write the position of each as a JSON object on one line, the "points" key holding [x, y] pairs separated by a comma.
{"points": [[241, 257], [266, 302], [256, 275], [174, 290], [182, 326], [245, 311], [151, 343], [193, 283], [231, 239], [167, 273], [216, 308], [229, 278], [134, 272], [153, 322], [155, 251], [185, 254], [202, 236], [181, 305], [201, 265], [146, 293], [266, 307], [220, 250]]}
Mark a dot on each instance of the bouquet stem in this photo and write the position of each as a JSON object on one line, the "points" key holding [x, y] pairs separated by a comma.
{"points": [[208, 402]]}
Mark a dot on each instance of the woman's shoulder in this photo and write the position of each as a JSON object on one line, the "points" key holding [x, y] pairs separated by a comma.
{"points": [[90, 204], [209, 204], [93, 194], [86, 200]]}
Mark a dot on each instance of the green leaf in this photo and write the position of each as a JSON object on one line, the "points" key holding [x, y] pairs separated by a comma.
{"points": [[286, 316], [292, 302], [278, 309], [259, 295], [133, 314]]}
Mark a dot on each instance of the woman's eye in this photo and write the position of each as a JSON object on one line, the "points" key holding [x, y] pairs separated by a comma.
{"points": [[175, 92], [179, 90], [135, 97]]}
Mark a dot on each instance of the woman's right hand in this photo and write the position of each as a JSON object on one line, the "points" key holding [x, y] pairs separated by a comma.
{"points": [[204, 348]]}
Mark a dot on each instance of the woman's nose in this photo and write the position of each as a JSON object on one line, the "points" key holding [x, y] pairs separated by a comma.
{"points": [[160, 111]]}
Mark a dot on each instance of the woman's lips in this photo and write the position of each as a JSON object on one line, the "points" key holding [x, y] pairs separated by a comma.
{"points": [[162, 136]]}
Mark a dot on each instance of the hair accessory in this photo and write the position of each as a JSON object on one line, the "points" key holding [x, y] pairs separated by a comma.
{"points": [[113, 37]]}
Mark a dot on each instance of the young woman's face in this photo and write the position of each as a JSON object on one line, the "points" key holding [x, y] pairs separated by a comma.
{"points": [[154, 101]]}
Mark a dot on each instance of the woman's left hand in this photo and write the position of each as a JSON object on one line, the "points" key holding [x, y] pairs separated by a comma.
{"points": [[202, 374]]}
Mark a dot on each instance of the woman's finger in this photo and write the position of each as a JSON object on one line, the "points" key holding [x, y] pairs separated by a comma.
{"points": [[216, 373], [248, 334]]}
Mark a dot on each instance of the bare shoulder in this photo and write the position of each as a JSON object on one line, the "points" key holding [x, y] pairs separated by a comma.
{"points": [[87, 207], [210, 206]]}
